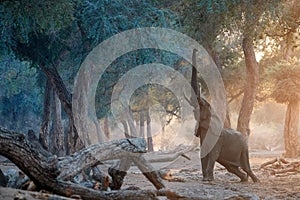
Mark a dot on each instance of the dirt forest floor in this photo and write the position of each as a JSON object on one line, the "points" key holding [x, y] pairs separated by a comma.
{"points": [[186, 180]]}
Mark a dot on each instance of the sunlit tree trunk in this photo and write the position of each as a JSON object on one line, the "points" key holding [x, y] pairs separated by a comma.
{"points": [[251, 84], [126, 131], [106, 127], [163, 142], [227, 122], [149, 134], [291, 127], [132, 127], [142, 124]]}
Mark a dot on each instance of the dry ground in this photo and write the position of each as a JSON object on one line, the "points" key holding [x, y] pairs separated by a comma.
{"points": [[226, 185], [187, 181]]}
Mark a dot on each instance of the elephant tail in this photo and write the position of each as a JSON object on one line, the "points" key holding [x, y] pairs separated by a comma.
{"points": [[245, 165]]}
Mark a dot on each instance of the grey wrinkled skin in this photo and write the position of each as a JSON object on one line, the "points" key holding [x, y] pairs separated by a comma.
{"points": [[231, 151]]}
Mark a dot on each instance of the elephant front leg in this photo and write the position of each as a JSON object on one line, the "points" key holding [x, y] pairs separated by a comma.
{"points": [[204, 168], [207, 168]]}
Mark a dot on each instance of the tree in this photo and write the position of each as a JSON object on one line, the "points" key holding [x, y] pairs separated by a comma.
{"points": [[282, 69], [158, 100], [57, 47], [20, 100], [59, 43], [291, 130], [287, 90], [35, 38], [209, 20]]}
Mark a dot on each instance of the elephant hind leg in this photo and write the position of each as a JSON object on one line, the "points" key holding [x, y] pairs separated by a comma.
{"points": [[251, 174], [246, 166], [235, 170]]}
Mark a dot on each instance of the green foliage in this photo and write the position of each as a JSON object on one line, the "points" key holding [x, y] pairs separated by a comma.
{"points": [[220, 26], [102, 19], [152, 94], [287, 84], [20, 19], [19, 97], [120, 67], [13, 77], [61, 33], [99, 20]]}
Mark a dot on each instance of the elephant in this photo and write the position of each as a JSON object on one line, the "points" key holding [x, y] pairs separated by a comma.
{"points": [[231, 151]]}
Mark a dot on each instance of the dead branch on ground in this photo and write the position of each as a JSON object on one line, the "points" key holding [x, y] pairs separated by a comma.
{"points": [[281, 167]]}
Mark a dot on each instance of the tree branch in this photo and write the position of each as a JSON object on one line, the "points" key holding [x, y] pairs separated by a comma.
{"points": [[50, 172]]}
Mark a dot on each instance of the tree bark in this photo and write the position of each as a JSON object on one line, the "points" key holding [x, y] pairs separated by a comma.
{"points": [[142, 124], [170, 155], [106, 127], [45, 127], [132, 127], [291, 130], [54, 174], [59, 87], [57, 141], [149, 133], [227, 122], [291, 125], [126, 131], [65, 97], [251, 84]]}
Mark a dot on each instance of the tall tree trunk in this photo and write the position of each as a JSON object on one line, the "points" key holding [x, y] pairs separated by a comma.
{"points": [[57, 140], [142, 124], [227, 122], [106, 127], [251, 84], [291, 127], [45, 127], [163, 141], [132, 127], [65, 97], [59, 87], [126, 131], [149, 134]]}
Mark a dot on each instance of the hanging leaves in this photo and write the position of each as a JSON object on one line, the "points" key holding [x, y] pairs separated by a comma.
{"points": [[287, 76]]}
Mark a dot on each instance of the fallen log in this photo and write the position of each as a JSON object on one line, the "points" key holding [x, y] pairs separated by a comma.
{"points": [[167, 175], [286, 170], [281, 167], [118, 171], [96, 153], [53, 174], [3, 179], [270, 162], [169, 156]]}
